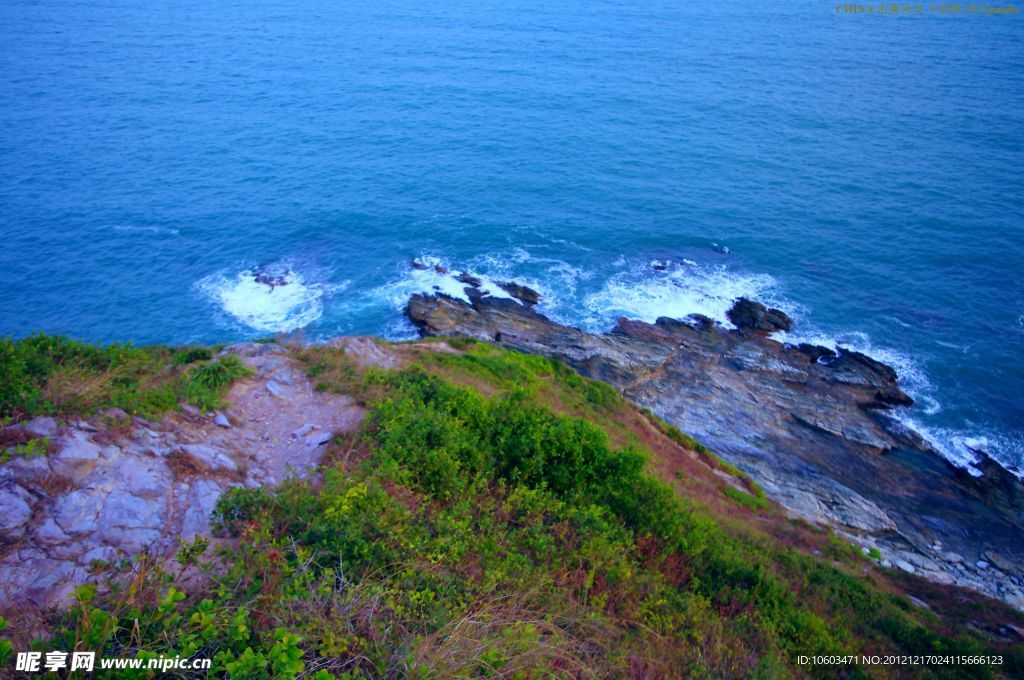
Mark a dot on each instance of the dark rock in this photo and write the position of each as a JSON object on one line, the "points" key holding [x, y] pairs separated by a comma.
{"points": [[851, 366], [525, 294], [996, 485], [416, 264], [815, 352], [700, 321], [888, 397], [468, 279], [645, 332], [755, 317], [676, 325], [269, 278]]}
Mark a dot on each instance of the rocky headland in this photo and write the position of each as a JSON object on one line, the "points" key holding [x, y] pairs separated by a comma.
{"points": [[813, 426]]}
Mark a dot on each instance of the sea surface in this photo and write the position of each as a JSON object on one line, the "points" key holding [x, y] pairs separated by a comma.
{"points": [[864, 173]]}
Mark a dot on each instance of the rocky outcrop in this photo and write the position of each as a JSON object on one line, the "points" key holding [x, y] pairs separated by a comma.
{"points": [[114, 486], [525, 294], [814, 426], [753, 317]]}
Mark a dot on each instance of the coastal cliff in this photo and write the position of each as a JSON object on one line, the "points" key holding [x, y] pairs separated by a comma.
{"points": [[814, 427], [447, 507]]}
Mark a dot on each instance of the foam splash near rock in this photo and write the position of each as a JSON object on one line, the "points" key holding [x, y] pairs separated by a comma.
{"points": [[271, 299], [675, 289]]}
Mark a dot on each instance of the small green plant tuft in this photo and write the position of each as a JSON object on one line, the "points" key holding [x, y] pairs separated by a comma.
{"points": [[745, 499], [205, 385]]}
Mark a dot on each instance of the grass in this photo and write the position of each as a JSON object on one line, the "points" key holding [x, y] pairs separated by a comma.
{"points": [[53, 375], [745, 499]]}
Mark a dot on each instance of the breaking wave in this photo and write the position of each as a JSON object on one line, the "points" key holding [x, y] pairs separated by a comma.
{"points": [[674, 289], [274, 299]]}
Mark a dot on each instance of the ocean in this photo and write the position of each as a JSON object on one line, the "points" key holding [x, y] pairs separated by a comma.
{"points": [[862, 172]]}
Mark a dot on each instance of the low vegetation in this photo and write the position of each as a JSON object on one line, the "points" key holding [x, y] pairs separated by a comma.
{"points": [[53, 375], [500, 516]]}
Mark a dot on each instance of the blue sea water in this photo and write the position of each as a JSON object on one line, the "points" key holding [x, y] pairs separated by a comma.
{"points": [[865, 173]]}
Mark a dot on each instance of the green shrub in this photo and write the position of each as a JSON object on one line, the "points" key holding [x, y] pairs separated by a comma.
{"points": [[190, 355]]}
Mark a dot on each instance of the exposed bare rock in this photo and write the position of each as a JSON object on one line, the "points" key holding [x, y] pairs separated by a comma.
{"points": [[525, 294], [15, 512], [304, 430], [366, 351], [999, 561], [77, 457], [811, 424], [42, 427], [201, 500], [120, 485], [77, 512], [209, 458], [750, 316]]}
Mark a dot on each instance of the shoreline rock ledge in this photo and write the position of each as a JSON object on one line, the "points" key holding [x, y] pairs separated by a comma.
{"points": [[813, 426]]}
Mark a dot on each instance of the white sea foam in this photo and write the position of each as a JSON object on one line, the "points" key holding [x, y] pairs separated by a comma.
{"points": [[962, 447], [132, 229], [912, 376], [670, 289], [646, 293], [272, 309], [436, 276], [556, 280]]}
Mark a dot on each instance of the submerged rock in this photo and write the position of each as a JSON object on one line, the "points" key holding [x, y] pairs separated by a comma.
{"points": [[269, 278]]}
